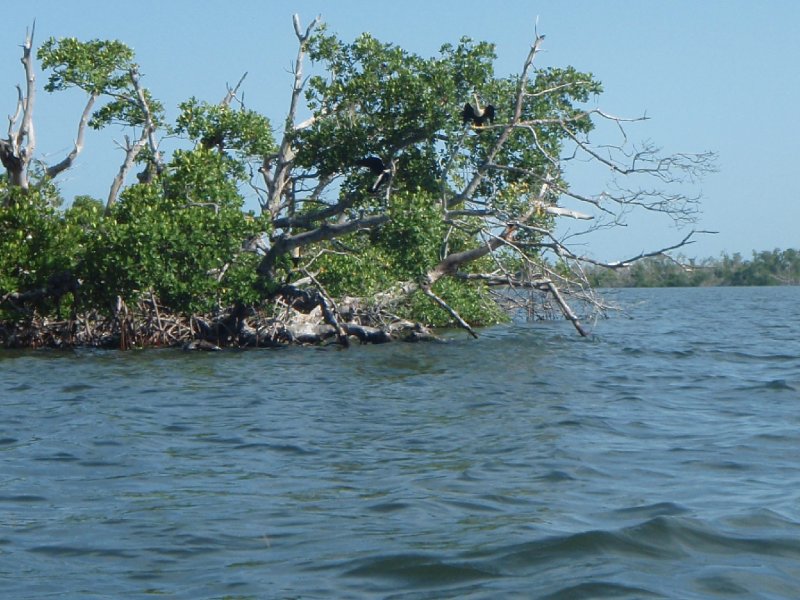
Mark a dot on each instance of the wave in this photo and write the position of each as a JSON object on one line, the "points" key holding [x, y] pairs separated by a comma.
{"points": [[601, 589], [80, 551], [419, 569], [635, 561], [22, 498], [773, 384]]}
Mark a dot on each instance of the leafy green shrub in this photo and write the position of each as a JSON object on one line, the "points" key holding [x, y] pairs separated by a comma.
{"points": [[37, 243], [180, 237]]}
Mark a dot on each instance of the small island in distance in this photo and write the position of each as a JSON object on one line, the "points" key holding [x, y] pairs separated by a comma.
{"points": [[768, 267]]}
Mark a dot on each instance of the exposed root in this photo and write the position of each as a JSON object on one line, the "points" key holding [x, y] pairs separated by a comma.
{"points": [[299, 317]]}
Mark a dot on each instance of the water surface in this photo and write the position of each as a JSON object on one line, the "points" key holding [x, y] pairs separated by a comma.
{"points": [[656, 460]]}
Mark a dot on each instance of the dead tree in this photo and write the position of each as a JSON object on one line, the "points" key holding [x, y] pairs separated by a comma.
{"points": [[16, 151]]}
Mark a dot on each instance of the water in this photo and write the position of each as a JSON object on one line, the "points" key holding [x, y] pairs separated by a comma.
{"points": [[656, 460]]}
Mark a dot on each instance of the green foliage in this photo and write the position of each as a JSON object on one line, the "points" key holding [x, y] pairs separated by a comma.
{"points": [[181, 238], [98, 67], [126, 110], [37, 242], [351, 267], [401, 250], [412, 238], [202, 176], [27, 240], [776, 267], [380, 98], [242, 130], [471, 301], [404, 249]]}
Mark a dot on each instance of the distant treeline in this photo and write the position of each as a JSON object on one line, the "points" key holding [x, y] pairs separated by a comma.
{"points": [[776, 267]]}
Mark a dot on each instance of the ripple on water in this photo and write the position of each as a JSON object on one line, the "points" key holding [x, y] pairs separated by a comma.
{"points": [[58, 457], [416, 570], [22, 498], [650, 511], [601, 589], [771, 385], [82, 551]]}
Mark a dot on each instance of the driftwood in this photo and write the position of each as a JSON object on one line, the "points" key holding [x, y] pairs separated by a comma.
{"points": [[201, 345], [147, 324]]}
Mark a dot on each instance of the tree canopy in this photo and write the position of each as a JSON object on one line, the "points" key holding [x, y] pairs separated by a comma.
{"points": [[380, 202]]}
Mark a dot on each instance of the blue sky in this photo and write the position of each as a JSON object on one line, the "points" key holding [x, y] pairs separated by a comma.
{"points": [[717, 75]]}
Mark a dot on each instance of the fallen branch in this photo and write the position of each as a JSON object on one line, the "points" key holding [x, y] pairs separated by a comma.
{"points": [[456, 317]]}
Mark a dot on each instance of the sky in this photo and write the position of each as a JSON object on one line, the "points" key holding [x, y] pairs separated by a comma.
{"points": [[716, 75]]}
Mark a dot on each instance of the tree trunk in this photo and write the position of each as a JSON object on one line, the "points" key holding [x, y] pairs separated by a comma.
{"points": [[13, 154], [14, 165]]}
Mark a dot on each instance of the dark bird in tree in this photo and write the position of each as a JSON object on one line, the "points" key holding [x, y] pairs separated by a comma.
{"points": [[10, 161], [477, 116], [373, 163], [214, 139], [376, 166]]}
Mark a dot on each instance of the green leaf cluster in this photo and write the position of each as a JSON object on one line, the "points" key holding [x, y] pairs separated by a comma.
{"points": [[378, 99], [404, 249], [401, 250], [126, 110], [218, 125], [39, 242], [180, 237], [29, 238], [99, 67]]}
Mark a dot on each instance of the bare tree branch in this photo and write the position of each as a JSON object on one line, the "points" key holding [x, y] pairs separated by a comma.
{"points": [[69, 160], [146, 139], [326, 231], [12, 119], [27, 129], [456, 317], [131, 152], [277, 179], [472, 186], [660, 252], [232, 92], [16, 152], [149, 124]]}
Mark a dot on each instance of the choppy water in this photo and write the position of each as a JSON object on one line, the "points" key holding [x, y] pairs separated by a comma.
{"points": [[660, 459]]}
